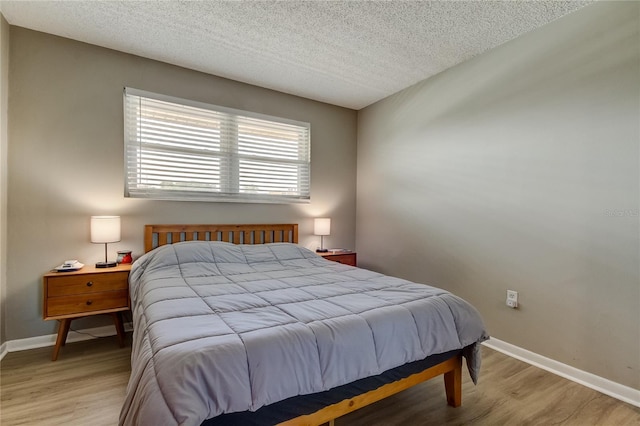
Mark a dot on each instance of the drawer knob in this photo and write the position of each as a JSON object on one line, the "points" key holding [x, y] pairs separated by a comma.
{"points": [[90, 283], [89, 302]]}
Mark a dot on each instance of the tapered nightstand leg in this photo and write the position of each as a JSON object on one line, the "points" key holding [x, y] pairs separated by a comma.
{"points": [[63, 330], [117, 320]]}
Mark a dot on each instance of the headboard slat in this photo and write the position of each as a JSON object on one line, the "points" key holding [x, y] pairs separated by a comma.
{"points": [[156, 235]]}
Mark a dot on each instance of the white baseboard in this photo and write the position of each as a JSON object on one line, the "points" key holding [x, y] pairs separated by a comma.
{"points": [[50, 339], [600, 384], [3, 350]]}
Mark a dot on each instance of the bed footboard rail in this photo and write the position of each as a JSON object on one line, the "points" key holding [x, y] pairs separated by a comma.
{"points": [[451, 369]]}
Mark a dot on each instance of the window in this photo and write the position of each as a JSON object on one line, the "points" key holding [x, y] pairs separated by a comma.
{"points": [[177, 149]]}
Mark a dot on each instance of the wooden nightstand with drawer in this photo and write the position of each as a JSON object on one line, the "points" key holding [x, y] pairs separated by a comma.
{"points": [[88, 291], [347, 258]]}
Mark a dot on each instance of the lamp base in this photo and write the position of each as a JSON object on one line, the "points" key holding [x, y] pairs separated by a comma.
{"points": [[322, 250], [111, 264]]}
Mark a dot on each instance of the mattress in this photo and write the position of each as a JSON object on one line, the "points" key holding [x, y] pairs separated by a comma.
{"points": [[223, 328]]}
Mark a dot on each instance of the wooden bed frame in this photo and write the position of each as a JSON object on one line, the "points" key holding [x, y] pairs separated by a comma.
{"points": [[159, 235]]}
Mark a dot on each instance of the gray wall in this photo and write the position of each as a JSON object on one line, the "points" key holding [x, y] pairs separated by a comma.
{"points": [[519, 170], [4, 99], [66, 161]]}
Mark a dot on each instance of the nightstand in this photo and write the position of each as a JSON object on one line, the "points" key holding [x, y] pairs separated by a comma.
{"points": [[347, 258], [88, 291]]}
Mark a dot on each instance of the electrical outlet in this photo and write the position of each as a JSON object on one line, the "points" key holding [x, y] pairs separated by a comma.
{"points": [[512, 299]]}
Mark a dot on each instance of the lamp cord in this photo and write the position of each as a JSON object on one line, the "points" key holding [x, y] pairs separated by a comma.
{"points": [[126, 319]]}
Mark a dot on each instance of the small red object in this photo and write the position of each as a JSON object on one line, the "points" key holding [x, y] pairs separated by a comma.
{"points": [[124, 256]]}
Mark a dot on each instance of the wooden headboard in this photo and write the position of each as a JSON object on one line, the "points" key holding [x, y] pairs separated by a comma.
{"points": [[159, 235]]}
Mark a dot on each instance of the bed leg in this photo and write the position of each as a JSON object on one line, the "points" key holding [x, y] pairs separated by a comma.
{"points": [[453, 384]]}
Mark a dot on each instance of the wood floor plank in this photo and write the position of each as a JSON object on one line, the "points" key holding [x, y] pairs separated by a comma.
{"points": [[86, 386]]}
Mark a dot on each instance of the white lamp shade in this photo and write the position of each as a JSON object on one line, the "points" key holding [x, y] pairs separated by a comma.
{"points": [[322, 226], [105, 229]]}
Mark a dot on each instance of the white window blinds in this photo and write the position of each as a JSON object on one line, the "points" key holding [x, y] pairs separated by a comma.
{"points": [[177, 149]]}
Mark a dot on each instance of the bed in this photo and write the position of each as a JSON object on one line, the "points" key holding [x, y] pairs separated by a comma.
{"points": [[237, 324]]}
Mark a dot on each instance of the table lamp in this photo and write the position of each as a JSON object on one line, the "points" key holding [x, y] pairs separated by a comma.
{"points": [[322, 227], [104, 230]]}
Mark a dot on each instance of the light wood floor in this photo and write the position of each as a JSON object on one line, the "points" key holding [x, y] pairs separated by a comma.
{"points": [[86, 386]]}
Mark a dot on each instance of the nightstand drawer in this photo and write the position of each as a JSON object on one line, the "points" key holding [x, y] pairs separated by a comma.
{"points": [[89, 283], [76, 304], [348, 258]]}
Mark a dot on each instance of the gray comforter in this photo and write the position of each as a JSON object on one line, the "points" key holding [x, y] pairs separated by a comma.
{"points": [[222, 328]]}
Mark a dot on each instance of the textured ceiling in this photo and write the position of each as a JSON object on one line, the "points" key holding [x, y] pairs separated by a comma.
{"points": [[347, 53]]}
